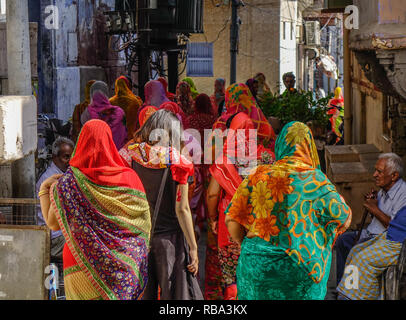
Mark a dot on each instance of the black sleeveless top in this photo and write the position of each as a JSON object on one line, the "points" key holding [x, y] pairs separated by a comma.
{"points": [[167, 221]]}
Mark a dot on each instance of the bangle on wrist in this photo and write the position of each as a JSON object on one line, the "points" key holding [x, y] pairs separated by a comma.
{"points": [[43, 192]]}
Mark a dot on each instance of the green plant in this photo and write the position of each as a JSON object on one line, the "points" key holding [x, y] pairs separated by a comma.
{"points": [[296, 106]]}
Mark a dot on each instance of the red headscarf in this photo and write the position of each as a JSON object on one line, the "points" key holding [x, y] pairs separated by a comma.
{"points": [[169, 95], [174, 107], [240, 99], [96, 156], [203, 117], [145, 113], [203, 104]]}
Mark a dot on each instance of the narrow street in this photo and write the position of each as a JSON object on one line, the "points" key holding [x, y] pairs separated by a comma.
{"points": [[202, 151]]}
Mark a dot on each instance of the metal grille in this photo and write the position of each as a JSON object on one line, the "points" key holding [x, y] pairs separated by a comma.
{"points": [[18, 211], [200, 59], [22, 213]]}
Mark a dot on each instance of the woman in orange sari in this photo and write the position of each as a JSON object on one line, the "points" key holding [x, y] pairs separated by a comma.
{"points": [[102, 209], [127, 101]]}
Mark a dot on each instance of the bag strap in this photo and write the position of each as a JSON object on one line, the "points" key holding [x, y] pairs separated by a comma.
{"points": [[159, 200]]}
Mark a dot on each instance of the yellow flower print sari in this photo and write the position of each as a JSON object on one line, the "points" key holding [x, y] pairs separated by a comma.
{"points": [[296, 214]]}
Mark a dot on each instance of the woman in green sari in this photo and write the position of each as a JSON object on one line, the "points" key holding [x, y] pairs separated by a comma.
{"points": [[286, 216], [192, 86]]}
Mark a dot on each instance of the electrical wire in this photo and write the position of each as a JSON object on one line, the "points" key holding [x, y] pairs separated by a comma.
{"points": [[221, 30]]}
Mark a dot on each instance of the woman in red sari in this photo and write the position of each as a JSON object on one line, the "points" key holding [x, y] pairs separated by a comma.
{"points": [[102, 209], [174, 107], [184, 97], [169, 95], [228, 172], [219, 95], [203, 117], [145, 113], [239, 99], [200, 120]]}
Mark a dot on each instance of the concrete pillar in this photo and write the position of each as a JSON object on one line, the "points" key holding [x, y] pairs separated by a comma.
{"points": [[19, 83], [18, 48]]}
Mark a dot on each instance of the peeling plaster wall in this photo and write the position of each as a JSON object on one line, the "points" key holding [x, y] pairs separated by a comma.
{"points": [[75, 53], [391, 12], [381, 32]]}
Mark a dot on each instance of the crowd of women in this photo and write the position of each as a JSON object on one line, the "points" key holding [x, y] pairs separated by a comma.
{"points": [[132, 207]]}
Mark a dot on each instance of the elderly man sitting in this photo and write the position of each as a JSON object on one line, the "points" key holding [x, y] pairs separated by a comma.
{"points": [[367, 262], [380, 243]]}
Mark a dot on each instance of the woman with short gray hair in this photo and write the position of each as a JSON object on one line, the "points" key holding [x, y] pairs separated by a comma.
{"points": [[173, 260]]}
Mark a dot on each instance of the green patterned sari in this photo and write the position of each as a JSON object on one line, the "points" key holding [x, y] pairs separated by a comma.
{"points": [[296, 214]]}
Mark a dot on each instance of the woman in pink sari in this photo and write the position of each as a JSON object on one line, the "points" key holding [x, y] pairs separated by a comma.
{"points": [[100, 108], [155, 94]]}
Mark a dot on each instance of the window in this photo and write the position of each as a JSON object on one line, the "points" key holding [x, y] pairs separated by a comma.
{"points": [[284, 31], [200, 59], [2, 10], [292, 30], [2, 6]]}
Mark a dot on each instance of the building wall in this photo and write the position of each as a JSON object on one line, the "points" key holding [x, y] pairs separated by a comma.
{"points": [[3, 55], [258, 42], [382, 33], [368, 111], [288, 60], [77, 50]]}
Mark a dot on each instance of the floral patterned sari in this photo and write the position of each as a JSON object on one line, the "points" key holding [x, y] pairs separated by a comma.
{"points": [[295, 213], [103, 212]]}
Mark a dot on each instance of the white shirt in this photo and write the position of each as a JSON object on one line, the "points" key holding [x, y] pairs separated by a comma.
{"points": [[390, 203], [52, 170]]}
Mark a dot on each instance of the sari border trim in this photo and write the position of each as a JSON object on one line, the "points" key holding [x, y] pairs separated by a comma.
{"points": [[77, 254]]}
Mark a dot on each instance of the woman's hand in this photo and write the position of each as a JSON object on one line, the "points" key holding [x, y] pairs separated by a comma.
{"points": [[51, 180], [214, 227], [193, 267]]}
